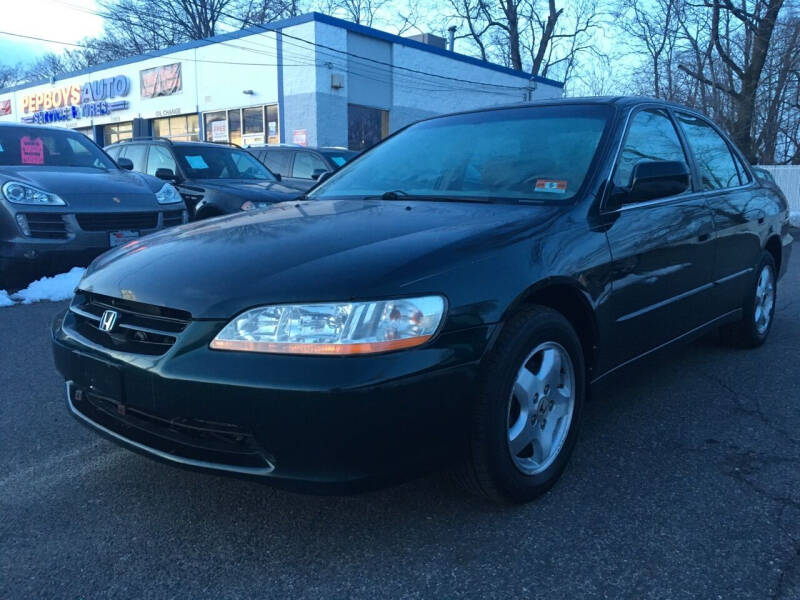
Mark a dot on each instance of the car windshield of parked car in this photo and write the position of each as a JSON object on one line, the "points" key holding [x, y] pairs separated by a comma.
{"points": [[42, 147], [338, 158], [220, 162], [534, 153]]}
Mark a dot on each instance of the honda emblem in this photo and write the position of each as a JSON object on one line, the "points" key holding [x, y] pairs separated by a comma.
{"points": [[108, 320]]}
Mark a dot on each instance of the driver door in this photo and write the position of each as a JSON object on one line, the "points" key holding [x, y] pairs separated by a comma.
{"points": [[662, 249]]}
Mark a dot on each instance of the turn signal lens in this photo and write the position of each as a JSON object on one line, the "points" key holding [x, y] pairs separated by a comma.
{"points": [[334, 328]]}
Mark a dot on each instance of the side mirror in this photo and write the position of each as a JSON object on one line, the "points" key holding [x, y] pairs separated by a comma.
{"points": [[125, 163], [654, 179], [318, 173], [278, 176], [165, 174]]}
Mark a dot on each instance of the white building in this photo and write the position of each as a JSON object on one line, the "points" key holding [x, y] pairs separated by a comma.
{"points": [[313, 80]]}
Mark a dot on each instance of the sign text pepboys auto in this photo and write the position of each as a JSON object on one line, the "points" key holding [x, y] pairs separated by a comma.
{"points": [[75, 102]]}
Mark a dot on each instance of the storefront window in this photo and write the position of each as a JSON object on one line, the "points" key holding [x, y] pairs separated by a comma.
{"points": [[235, 126], [87, 131], [272, 124], [117, 132], [243, 126], [215, 126], [366, 126], [183, 128]]}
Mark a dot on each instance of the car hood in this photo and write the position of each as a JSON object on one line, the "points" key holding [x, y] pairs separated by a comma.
{"points": [[308, 251], [270, 191], [87, 188]]}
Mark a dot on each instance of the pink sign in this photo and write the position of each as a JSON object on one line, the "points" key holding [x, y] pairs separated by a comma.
{"points": [[31, 151], [5, 107], [300, 137]]}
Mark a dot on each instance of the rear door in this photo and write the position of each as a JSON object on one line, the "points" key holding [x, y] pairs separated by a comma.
{"points": [[662, 249], [737, 206]]}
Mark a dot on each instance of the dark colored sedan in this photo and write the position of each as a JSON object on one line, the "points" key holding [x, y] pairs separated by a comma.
{"points": [[448, 296], [213, 179], [63, 201]]}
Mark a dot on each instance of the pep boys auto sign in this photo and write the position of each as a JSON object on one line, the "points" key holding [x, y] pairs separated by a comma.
{"points": [[92, 99]]}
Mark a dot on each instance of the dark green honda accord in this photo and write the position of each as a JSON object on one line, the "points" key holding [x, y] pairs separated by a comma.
{"points": [[447, 297]]}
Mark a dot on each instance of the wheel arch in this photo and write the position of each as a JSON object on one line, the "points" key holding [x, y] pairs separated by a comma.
{"points": [[567, 297], [773, 246]]}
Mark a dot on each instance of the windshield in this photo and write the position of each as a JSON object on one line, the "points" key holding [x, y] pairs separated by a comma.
{"points": [[338, 157], [220, 162], [43, 147], [533, 153]]}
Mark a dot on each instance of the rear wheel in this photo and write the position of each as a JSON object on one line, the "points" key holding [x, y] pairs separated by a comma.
{"points": [[758, 310], [525, 419]]}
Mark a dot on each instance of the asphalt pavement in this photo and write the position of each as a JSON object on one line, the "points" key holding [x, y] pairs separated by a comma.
{"points": [[685, 483]]}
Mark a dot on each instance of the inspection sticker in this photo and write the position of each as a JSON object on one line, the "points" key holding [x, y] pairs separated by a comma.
{"points": [[551, 186]]}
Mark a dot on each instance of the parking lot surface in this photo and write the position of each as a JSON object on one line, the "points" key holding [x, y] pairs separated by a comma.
{"points": [[685, 483]]}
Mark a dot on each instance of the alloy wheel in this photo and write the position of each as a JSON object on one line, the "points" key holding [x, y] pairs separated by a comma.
{"points": [[765, 299], [540, 408]]}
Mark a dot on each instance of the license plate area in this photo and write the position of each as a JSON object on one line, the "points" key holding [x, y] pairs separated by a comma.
{"points": [[99, 377], [120, 238]]}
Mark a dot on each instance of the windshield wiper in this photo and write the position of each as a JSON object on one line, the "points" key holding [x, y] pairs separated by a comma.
{"points": [[402, 195]]}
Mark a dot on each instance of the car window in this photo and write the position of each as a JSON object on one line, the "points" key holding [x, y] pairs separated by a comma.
{"points": [[160, 158], [338, 158], [278, 161], [219, 162], [33, 146], [744, 176], [537, 153], [136, 154], [113, 152], [305, 163], [651, 136], [711, 153]]}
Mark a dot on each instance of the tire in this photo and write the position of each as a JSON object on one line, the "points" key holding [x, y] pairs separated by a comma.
{"points": [[758, 311], [505, 414]]}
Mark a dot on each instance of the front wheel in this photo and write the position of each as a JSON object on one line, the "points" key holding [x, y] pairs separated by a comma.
{"points": [[759, 308], [525, 418]]}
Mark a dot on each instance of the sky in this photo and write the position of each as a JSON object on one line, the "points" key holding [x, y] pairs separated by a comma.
{"points": [[62, 20]]}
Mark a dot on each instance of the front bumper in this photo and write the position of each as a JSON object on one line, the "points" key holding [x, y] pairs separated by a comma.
{"points": [[303, 422]]}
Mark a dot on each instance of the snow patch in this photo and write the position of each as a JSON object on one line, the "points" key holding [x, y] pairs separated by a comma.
{"points": [[58, 287], [4, 299]]}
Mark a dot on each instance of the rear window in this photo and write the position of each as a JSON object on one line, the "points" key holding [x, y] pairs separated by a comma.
{"points": [[43, 147], [541, 153], [220, 162]]}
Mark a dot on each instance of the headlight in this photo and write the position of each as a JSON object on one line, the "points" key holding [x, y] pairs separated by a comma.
{"points": [[20, 193], [168, 194], [334, 328]]}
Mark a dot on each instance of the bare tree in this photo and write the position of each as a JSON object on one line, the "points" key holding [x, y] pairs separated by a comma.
{"points": [[537, 36]]}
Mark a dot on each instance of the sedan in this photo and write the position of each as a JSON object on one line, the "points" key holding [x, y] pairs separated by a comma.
{"points": [[447, 298]]}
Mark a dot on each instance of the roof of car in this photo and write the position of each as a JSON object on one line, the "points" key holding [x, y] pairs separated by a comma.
{"points": [[47, 127]]}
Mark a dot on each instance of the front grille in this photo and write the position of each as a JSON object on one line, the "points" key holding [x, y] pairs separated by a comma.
{"points": [[197, 439], [172, 218], [140, 328], [46, 225], [117, 221]]}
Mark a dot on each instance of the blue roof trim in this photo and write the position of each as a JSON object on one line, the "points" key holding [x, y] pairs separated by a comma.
{"points": [[290, 22]]}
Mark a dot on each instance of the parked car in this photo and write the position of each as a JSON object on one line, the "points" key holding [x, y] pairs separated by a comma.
{"points": [[417, 310], [300, 166], [63, 201], [213, 179]]}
